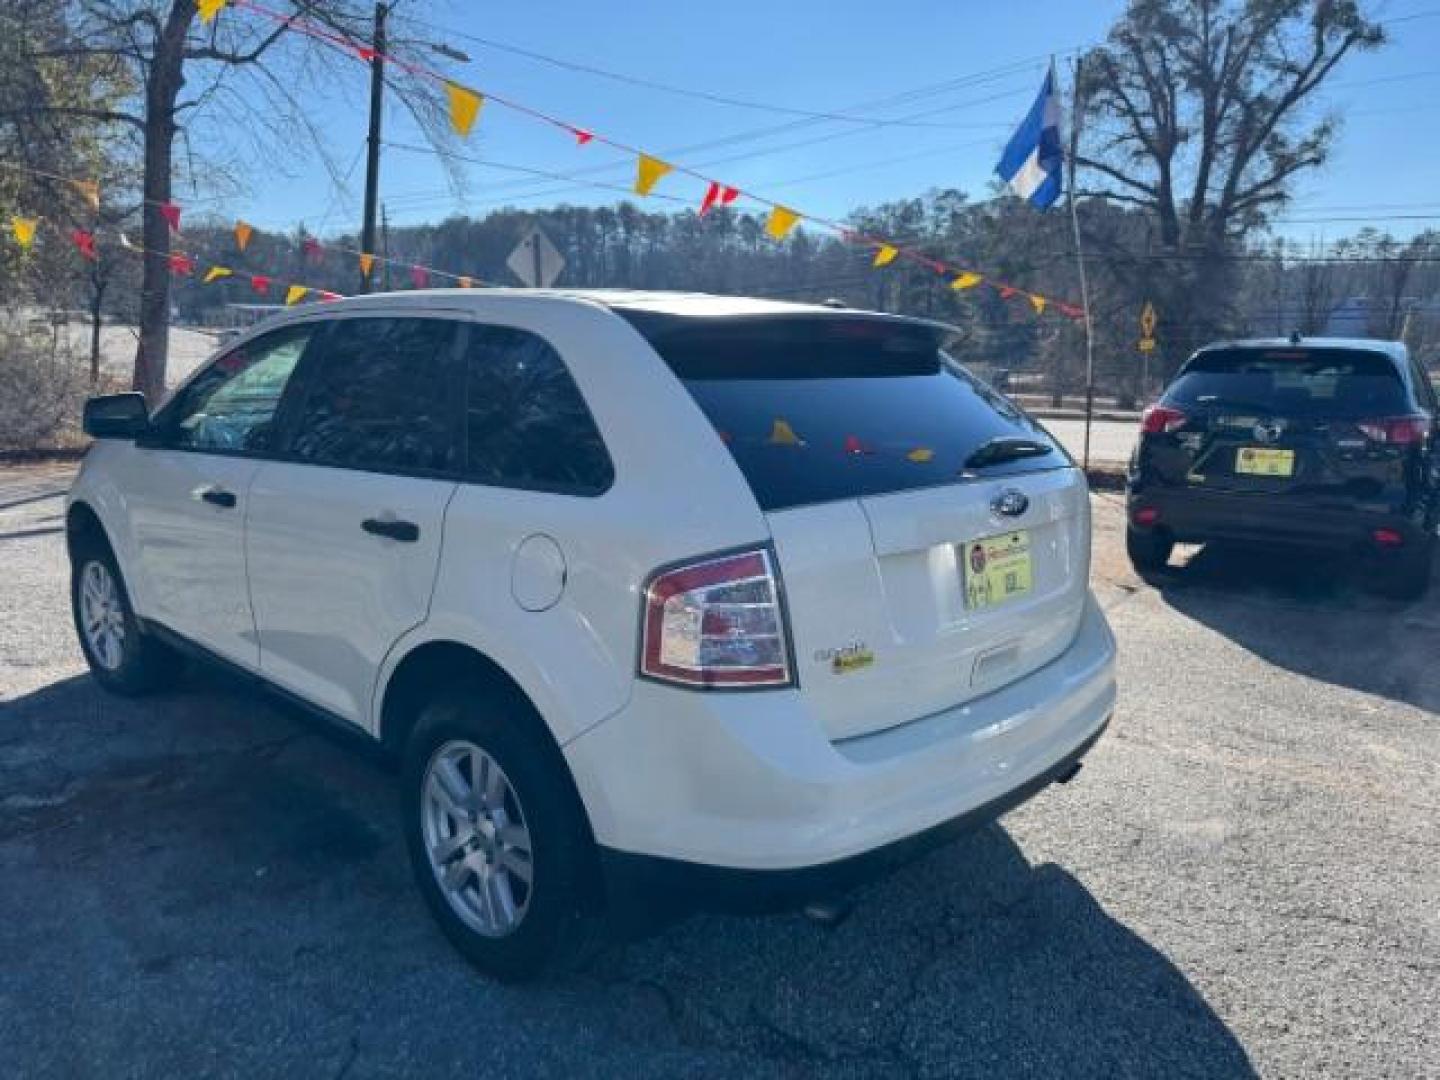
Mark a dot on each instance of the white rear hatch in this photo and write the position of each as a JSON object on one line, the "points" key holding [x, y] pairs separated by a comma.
{"points": [[881, 465]]}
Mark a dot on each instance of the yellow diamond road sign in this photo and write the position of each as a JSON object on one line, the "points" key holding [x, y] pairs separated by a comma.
{"points": [[1148, 319]]}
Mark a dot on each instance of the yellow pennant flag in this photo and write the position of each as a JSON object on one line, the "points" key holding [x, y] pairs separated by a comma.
{"points": [[782, 434], [208, 9], [648, 171], [921, 454], [242, 235], [215, 273], [966, 280], [295, 294], [24, 230], [464, 107], [781, 221], [91, 190], [367, 263], [885, 256], [1038, 303]]}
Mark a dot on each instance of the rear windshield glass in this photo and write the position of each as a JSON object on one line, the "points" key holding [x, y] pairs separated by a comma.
{"points": [[819, 409], [1294, 382]]}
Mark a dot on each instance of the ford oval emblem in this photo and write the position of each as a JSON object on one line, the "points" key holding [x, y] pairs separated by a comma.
{"points": [[1010, 503]]}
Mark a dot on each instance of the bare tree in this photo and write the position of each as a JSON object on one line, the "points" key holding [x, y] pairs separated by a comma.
{"points": [[181, 69], [1194, 114]]}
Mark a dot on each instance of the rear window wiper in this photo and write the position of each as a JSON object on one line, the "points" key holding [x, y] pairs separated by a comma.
{"points": [[1006, 448]]}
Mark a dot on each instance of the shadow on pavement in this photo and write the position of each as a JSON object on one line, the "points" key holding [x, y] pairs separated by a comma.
{"points": [[201, 878], [1313, 615]]}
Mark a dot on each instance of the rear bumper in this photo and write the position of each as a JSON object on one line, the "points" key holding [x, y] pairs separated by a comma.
{"points": [[750, 782], [648, 885], [1193, 516]]}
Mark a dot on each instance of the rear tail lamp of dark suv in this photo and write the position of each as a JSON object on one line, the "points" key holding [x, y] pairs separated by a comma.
{"points": [[1162, 420], [1396, 430], [717, 623]]}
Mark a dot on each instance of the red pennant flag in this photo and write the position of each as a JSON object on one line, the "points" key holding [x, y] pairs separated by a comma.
{"points": [[712, 196], [365, 54], [419, 277], [171, 213], [854, 446], [728, 195], [328, 296], [260, 283], [581, 135], [312, 249], [181, 264], [1007, 291], [85, 242]]}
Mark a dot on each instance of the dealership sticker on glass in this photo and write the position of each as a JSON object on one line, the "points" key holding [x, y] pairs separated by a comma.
{"points": [[997, 569]]}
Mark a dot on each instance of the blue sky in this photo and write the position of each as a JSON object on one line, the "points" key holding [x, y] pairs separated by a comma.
{"points": [[835, 56]]}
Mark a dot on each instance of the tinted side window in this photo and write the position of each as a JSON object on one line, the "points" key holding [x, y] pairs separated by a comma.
{"points": [[1424, 388], [527, 425], [231, 405], [381, 396]]}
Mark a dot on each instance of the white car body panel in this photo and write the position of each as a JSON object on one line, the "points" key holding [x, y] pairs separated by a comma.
{"points": [[330, 599], [550, 588]]}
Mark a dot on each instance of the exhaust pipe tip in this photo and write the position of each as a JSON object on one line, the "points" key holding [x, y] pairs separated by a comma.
{"points": [[1068, 772]]}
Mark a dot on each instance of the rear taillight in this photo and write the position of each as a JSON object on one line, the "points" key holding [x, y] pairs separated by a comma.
{"points": [[716, 622], [1161, 420], [1396, 430]]}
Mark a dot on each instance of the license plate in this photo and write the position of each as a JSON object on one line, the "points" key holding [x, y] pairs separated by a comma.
{"points": [[997, 569], [1264, 461]]}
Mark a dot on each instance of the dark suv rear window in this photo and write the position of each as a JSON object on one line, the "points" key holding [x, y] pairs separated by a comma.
{"points": [[1293, 382], [815, 409]]}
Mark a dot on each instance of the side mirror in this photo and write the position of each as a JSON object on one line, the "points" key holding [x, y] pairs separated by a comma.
{"points": [[116, 416]]}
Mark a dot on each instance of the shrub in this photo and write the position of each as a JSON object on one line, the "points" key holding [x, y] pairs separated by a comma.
{"points": [[43, 386]]}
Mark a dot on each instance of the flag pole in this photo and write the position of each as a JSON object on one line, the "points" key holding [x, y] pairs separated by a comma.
{"points": [[1080, 255]]}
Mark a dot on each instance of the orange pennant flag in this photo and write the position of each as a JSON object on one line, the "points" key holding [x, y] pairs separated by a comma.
{"points": [[648, 171], [966, 280], [367, 263], [24, 230], [781, 221], [1038, 303], [208, 9], [464, 107], [465, 282], [782, 434], [215, 273], [242, 235], [885, 256], [91, 190], [295, 294]]}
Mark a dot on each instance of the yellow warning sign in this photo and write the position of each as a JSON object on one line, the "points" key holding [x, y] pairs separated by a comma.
{"points": [[1148, 320]]}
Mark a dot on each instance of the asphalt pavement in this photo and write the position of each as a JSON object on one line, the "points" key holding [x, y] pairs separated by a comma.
{"points": [[1241, 881]]}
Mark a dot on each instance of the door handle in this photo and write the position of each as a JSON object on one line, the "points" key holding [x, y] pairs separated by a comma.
{"points": [[407, 532], [217, 496]]}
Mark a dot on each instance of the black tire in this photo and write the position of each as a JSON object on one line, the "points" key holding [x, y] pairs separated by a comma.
{"points": [[1149, 551], [1409, 578], [141, 663], [561, 901]]}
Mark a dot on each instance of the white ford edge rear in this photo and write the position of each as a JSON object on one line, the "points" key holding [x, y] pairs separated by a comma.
{"points": [[912, 644], [653, 594]]}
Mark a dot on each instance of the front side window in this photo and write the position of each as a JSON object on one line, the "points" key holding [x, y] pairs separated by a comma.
{"points": [[231, 406], [526, 424], [381, 396]]}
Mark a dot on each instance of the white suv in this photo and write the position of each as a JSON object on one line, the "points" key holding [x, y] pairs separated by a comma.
{"points": [[645, 590]]}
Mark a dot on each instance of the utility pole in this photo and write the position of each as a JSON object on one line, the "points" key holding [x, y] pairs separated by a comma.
{"points": [[372, 155]]}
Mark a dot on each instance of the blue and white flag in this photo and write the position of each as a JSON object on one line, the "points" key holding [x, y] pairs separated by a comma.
{"points": [[1032, 160]]}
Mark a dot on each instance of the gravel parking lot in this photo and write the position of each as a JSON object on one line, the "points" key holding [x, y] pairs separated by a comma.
{"points": [[1243, 880]]}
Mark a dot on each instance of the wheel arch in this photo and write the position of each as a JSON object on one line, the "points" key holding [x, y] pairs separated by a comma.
{"points": [[82, 523], [443, 662]]}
